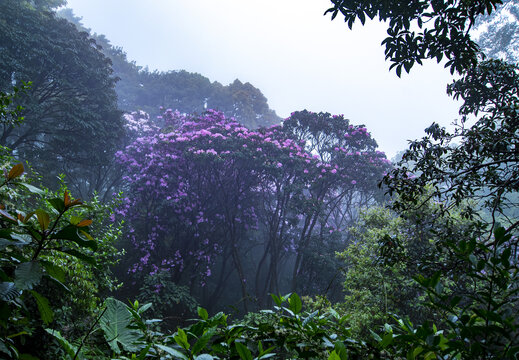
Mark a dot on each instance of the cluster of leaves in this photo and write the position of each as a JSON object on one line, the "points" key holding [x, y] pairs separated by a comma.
{"points": [[51, 268], [477, 162], [499, 32], [286, 332], [28, 238], [481, 325], [9, 114], [422, 29]]}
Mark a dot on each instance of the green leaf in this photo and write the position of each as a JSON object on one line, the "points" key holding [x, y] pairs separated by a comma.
{"points": [[295, 304], [69, 348], [27, 275], [172, 351], [386, 340], [204, 357], [86, 258], [115, 324], [54, 270], [334, 356], [28, 357], [243, 351], [181, 339], [203, 340], [9, 238], [70, 232], [43, 219], [8, 291], [145, 307], [202, 313], [32, 189], [46, 313], [57, 204], [277, 299]]}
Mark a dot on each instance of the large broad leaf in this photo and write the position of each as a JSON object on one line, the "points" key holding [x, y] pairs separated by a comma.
{"points": [[46, 313], [71, 233], [27, 275], [115, 322]]}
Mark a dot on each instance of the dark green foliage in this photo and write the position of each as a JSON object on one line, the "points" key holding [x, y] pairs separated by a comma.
{"points": [[485, 327], [286, 332], [10, 114], [168, 297], [422, 29], [477, 162], [70, 109], [51, 269]]}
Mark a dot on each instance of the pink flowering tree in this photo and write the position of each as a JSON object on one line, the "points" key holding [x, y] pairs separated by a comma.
{"points": [[221, 207], [336, 173]]}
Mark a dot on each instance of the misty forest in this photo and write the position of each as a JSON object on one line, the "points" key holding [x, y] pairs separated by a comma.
{"points": [[159, 215]]}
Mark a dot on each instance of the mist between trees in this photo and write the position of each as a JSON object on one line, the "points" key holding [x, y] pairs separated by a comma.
{"points": [[189, 197]]}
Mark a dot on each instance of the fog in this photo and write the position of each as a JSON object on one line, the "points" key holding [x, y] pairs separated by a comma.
{"points": [[296, 56]]}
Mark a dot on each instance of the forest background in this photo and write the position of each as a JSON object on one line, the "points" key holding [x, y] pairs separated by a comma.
{"points": [[190, 208]]}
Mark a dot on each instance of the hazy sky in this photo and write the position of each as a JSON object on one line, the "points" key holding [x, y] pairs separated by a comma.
{"points": [[296, 56]]}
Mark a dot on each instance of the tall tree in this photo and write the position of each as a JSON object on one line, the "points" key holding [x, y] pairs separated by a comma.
{"points": [[71, 116], [213, 202]]}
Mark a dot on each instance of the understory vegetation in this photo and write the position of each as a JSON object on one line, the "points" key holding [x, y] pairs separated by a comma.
{"points": [[204, 234]]}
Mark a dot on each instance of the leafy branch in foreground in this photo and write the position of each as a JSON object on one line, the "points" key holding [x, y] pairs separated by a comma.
{"points": [[422, 29], [28, 240]]}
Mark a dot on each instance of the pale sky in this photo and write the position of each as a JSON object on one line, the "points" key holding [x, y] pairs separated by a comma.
{"points": [[297, 57]]}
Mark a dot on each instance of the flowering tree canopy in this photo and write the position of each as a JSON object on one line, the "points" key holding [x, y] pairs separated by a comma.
{"points": [[215, 203]]}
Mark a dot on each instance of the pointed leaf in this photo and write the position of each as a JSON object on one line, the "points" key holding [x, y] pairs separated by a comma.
{"points": [[7, 215], [295, 303], [43, 219], [243, 351], [202, 313], [70, 232], [69, 348], [66, 199], [46, 313], [57, 204], [15, 171], [84, 223], [86, 258], [203, 340], [32, 189], [171, 351]]}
